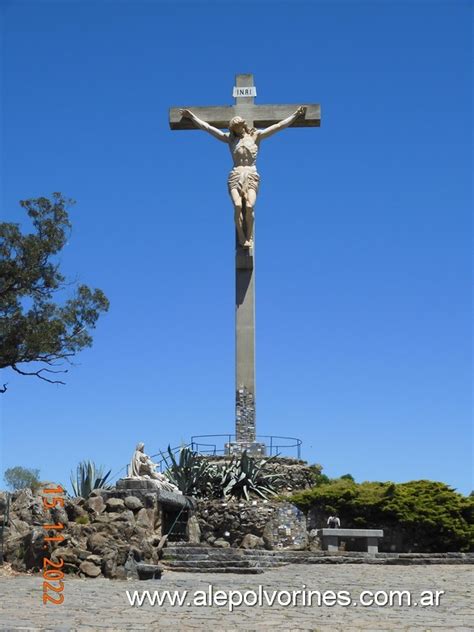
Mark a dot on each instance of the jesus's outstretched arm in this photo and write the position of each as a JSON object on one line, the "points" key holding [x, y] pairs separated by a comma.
{"points": [[273, 129], [205, 126]]}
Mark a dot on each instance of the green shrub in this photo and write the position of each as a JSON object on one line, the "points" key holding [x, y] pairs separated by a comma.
{"points": [[82, 520], [431, 513], [191, 474], [316, 473], [88, 477], [244, 475], [349, 477]]}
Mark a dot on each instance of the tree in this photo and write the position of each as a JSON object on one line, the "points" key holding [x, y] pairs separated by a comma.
{"points": [[20, 477], [347, 477], [38, 335]]}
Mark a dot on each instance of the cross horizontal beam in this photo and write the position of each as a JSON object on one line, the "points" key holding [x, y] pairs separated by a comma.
{"points": [[257, 115]]}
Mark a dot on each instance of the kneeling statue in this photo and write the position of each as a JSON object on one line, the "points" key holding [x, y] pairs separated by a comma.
{"points": [[142, 466]]}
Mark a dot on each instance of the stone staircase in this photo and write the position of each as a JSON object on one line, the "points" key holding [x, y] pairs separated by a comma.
{"points": [[204, 559]]}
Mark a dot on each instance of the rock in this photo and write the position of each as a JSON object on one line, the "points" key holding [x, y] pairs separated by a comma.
{"points": [[110, 531], [120, 573], [28, 507], [149, 571], [95, 559], [143, 519], [59, 515], [22, 499], [133, 503], [314, 540], [19, 526], [75, 508], [114, 504], [221, 543], [66, 554], [34, 552], [90, 569], [104, 518], [125, 517], [193, 531], [109, 564], [251, 541], [130, 566], [79, 532], [123, 551], [98, 543], [14, 552], [82, 554], [147, 547], [95, 504]]}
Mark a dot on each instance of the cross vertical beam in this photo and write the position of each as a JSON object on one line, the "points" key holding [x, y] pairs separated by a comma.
{"points": [[245, 396]]}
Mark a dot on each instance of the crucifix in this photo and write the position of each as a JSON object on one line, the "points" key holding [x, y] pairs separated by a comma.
{"points": [[248, 125]]}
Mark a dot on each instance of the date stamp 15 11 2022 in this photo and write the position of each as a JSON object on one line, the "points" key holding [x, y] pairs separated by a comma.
{"points": [[53, 585]]}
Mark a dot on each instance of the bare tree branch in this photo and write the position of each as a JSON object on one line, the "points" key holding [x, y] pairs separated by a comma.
{"points": [[39, 374]]}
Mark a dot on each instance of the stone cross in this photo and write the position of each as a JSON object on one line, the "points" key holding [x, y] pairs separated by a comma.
{"points": [[260, 116]]}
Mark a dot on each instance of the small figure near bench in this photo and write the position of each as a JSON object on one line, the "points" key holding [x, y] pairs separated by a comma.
{"points": [[334, 522]]}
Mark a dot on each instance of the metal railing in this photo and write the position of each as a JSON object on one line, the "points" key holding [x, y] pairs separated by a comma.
{"points": [[215, 445], [275, 445]]}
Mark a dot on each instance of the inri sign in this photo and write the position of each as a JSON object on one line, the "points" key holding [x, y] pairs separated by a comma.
{"points": [[250, 91]]}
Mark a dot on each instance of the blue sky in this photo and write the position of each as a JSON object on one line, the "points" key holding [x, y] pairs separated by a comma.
{"points": [[363, 225]]}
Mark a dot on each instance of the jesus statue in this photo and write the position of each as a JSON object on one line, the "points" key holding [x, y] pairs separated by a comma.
{"points": [[244, 179]]}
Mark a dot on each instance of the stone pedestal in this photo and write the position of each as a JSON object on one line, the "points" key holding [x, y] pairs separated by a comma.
{"points": [[143, 486], [331, 543], [254, 448], [330, 538]]}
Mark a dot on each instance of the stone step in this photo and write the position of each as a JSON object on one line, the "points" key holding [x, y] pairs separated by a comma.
{"points": [[239, 553], [233, 557], [222, 563], [221, 569], [207, 563], [213, 556], [205, 549]]}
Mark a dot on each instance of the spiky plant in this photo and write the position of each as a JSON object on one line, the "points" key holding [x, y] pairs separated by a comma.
{"points": [[243, 476], [189, 472], [88, 477]]}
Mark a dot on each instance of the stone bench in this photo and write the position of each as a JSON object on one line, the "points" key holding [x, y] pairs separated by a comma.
{"points": [[330, 538]]}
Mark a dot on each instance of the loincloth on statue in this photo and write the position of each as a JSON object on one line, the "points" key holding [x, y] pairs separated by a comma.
{"points": [[244, 179]]}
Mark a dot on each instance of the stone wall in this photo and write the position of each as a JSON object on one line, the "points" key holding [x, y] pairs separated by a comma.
{"points": [[295, 474], [108, 534], [256, 524]]}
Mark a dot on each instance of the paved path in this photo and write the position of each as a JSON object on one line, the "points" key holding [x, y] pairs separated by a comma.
{"points": [[101, 605]]}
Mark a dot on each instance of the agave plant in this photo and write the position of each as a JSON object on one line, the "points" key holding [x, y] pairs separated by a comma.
{"points": [[190, 472], [243, 476], [88, 477]]}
